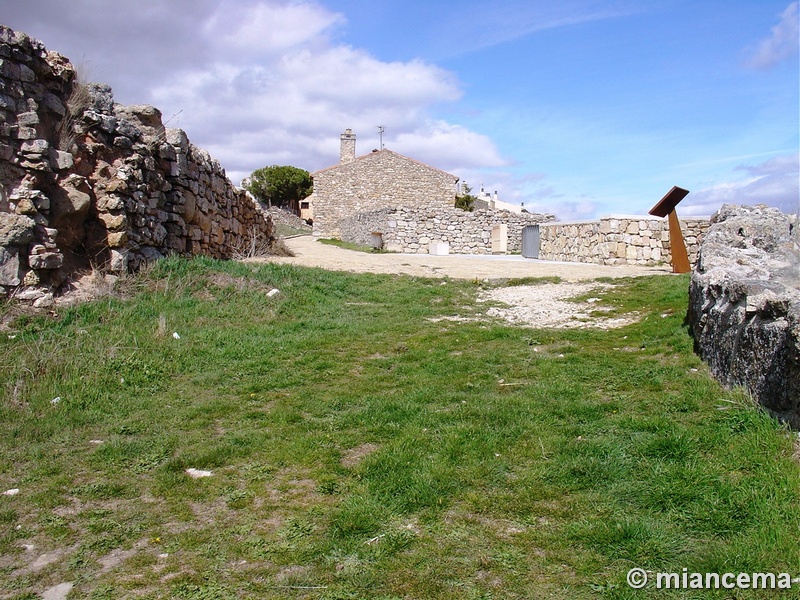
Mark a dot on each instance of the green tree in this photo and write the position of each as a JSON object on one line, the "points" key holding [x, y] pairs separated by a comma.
{"points": [[281, 186], [465, 200]]}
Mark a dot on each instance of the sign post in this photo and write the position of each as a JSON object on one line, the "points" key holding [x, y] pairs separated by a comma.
{"points": [[666, 208]]}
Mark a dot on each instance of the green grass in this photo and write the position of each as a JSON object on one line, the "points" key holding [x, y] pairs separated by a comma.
{"points": [[351, 246], [282, 230], [360, 449]]}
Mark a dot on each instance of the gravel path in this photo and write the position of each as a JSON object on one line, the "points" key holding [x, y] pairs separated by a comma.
{"points": [[310, 253]]}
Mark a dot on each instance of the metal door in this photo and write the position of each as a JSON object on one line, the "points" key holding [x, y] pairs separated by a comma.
{"points": [[530, 241]]}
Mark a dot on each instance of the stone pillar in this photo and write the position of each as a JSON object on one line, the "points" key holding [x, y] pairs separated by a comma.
{"points": [[347, 151]]}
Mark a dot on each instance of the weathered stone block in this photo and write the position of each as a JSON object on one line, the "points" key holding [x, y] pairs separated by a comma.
{"points": [[744, 305], [118, 262], [110, 202], [35, 147], [53, 103], [15, 230], [117, 239], [9, 267], [113, 222], [46, 260], [60, 160], [28, 119]]}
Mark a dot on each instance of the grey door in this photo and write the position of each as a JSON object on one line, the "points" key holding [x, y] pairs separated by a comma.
{"points": [[530, 241]]}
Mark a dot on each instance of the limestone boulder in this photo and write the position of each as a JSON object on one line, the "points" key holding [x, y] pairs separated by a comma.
{"points": [[744, 305], [70, 201], [101, 97], [15, 230], [9, 267], [146, 118]]}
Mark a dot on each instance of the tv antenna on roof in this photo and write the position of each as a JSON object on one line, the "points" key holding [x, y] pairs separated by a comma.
{"points": [[381, 129]]}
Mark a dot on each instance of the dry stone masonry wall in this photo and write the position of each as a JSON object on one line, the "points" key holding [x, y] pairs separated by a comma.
{"points": [[86, 182], [618, 240], [412, 230], [744, 305], [610, 240]]}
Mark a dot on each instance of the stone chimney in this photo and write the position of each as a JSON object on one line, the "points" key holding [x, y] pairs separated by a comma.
{"points": [[347, 152]]}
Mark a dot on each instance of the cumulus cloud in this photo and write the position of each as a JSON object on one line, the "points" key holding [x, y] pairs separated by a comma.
{"points": [[782, 44], [775, 182], [264, 30], [453, 147], [258, 82]]}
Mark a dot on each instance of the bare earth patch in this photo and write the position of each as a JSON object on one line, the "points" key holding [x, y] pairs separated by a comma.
{"points": [[353, 456]]}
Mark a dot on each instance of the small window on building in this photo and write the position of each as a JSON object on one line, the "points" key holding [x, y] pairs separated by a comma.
{"points": [[304, 205]]}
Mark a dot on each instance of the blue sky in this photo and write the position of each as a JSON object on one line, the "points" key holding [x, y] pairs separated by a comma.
{"points": [[577, 107]]}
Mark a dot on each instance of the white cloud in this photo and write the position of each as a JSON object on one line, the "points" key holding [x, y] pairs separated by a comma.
{"points": [[258, 82], [290, 105], [450, 147], [775, 182], [291, 109], [267, 28], [781, 45]]}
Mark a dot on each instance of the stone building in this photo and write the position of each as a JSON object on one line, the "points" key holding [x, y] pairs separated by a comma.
{"points": [[381, 179]]}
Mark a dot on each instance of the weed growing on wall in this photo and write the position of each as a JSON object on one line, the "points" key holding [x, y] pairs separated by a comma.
{"points": [[78, 101]]}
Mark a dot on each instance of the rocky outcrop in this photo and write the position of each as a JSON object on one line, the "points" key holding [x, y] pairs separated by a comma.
{"points": [[86, 182], [744, 305]]}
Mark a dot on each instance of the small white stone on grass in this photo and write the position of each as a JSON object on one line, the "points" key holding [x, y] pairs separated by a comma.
{"points": [[58, 592], [198, 473], [55, 400], [272, 292], [11, 492], [175, 335]]}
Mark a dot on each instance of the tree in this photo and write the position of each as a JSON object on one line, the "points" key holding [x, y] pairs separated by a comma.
{"points": [[281, 186], [465, 200]]}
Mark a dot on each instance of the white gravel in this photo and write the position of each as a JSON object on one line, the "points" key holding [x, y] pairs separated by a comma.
{"points": [[545, 306]]}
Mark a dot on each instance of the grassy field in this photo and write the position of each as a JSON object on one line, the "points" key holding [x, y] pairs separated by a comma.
{"points": [[361, 448]]}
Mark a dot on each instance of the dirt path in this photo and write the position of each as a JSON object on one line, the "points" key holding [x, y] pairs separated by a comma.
{"points": [[311, 253]]}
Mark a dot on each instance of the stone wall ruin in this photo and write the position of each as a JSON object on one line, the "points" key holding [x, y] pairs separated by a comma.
{"points": [[88, 183]]}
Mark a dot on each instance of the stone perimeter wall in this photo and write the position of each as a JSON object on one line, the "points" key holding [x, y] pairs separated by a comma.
{"points": [[411, 230], [86, 182], [632, 240], [618, 240]]}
